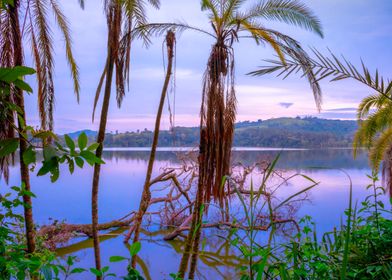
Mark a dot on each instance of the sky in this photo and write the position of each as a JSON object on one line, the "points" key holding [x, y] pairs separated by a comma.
{"points": [[357, 29]]}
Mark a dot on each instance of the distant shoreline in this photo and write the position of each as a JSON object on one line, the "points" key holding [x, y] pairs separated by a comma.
{"points": [[235, 149]]}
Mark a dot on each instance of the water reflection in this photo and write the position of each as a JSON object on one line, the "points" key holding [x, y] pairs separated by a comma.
{"points": [[289, 159], [122, 180]]}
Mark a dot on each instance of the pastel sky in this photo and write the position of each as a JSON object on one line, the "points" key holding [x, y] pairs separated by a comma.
{"points": [[355, 28]]}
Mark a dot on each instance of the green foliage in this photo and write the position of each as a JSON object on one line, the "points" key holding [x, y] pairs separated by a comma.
{"points": [[14, 263], [61, 271], [133, 274], [15, 76], [103, 272], [8, 146], [360, 249], [298, 132], [4, 3], [257, 256], [53, 154]]}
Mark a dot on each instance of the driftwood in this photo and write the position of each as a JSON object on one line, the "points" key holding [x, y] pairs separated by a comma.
{"points": [[175, 207]]}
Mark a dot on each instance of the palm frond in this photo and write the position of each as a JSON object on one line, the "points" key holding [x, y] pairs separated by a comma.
{"points": [[260, 34], [7, 118], [231, 8], [213, 7], [288, 11], [370, 128], [325, 67], [155, 3], [374, 101], [379, 148], [65, 30], [159, 29], [6, 39], [304, 64], [38, 17]]}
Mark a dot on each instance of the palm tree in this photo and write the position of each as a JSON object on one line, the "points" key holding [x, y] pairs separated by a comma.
{"points": [[231, 22], [122, 16], [375, 133], [146, 195], [36, 27], [374, 112]]}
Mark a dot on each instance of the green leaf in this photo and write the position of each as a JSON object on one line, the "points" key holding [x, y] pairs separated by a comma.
{"points": [[91, 158], [49, 153], [23, 85], [55, 174], [29, 156], [47, 272], [47, 167], [10, 75], [96, 272], [77, 270], [135, 248], [93, 147], [71, 166], [70, 143], [79, 162], [44, 135], [105, 269], [8, 146], [117, 259], [82, 141]]}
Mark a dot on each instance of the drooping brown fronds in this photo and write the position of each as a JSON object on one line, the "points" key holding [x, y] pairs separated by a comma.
{"points": [[39, 31], [122, 18], [40, 26], [218, 113], [7, 118], [65, 30]]}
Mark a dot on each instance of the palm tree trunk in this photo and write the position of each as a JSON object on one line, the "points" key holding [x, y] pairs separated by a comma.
{"points": [[146, 196], [193, 237], [196, 241], [98, 153], [24, 170]]}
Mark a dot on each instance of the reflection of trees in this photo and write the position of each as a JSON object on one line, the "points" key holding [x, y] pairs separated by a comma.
{"points": [[289, 159], [303, 159], [178, 198], [140, 155], [219, 254]]}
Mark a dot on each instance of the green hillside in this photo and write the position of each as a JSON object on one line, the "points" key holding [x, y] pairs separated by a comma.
{"points": [[297, 132]]}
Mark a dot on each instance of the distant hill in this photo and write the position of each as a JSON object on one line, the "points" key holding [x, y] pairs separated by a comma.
{"points": [[297, 132], [89, 133]]}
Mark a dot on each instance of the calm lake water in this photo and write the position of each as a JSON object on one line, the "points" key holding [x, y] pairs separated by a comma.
{"points": [[122, 179]]}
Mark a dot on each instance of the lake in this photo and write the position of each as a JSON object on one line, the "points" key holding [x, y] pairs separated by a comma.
{"points": [[122, 179]]}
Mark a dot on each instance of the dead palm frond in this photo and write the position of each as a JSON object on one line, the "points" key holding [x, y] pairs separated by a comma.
{"points": [[122, 18], [37, 29]]}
